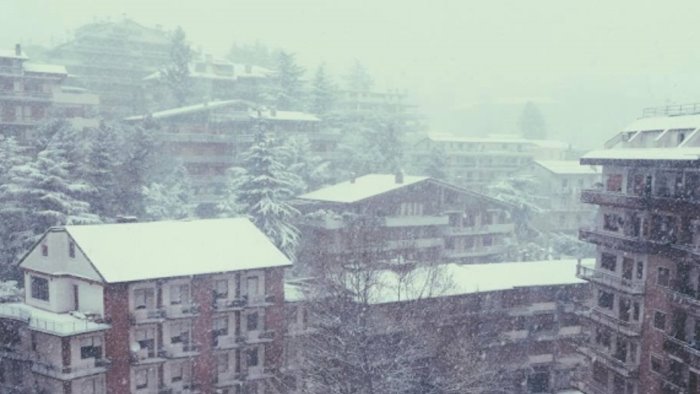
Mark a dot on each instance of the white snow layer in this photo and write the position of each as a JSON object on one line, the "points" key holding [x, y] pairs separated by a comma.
{"points": [[664, 123], [61, 324], [363, 187], [45, 68], [644, 154], [567, 167], [139, 251]]}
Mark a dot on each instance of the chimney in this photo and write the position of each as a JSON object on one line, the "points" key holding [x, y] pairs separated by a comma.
{"points": [[273, 112], [353, 177], [18, 50], [398, 177]]}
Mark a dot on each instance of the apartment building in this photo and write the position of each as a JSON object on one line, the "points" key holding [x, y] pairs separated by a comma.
{"points": [[211, 79], [400, 218], [160, 307], [391, 101], [32, 92], [522, 314], [558, 185], [208, 138], [644, 316], [478, 161], [112, 57]]}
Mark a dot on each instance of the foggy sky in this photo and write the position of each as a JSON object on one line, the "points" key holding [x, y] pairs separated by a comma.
{"points": [[591, 66]]}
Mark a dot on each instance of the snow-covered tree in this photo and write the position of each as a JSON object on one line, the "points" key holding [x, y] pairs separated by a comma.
{"points": [[263, 192], [323, 92], [532, 124], [288, 90], [255, 54], [177, 74], [169, 199], [358, 78], [435, 164], [311, 169], [102, 171]]}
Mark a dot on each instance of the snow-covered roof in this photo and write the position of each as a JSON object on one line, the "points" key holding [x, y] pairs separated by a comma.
{"points": [[498, 139], [642, 154], [61, 324], [10, 53], [664, 123], [45, 68], [286, 115], [475, 278], [208, 106], [127, 252], [238, 70], [567, 167], [361, 188]]}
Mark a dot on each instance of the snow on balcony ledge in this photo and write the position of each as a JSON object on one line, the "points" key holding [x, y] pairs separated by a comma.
{"points": [[59, 324]]}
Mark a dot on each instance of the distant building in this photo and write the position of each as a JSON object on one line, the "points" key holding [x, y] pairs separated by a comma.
{"points": [[31, 93], [211, 80], [522, 314], [112, 58], [475, 161], [559, 183], [401, 218], [146, 308], [373, 101], [209, 138], [644, 312]]}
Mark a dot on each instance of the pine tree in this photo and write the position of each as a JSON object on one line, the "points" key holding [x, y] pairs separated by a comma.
{"points": [[532, 124], [101, 171], [311, 169], [435, 166], [170, 199], [358, 78], [323, 95], [288, 92], [264, 190], [177, 74]]}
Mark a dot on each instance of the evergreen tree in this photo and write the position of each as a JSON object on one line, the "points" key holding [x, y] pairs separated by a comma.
{"points": [[532, 124], [170, 199], [311, 169], [263, 192], [177, 74], [288, 93], [358, 78], [323, 95], [101, 171], [435, 166]]}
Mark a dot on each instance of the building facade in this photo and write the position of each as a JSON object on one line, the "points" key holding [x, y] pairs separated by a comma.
{"points": [[644, 316], [521, 315], [398, 218], [31, 93], [162, 307]]}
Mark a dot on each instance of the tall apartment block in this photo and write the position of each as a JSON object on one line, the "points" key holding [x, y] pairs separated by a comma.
{"points": [[645, 311], [400, 218], [32, 92], [161, 307], [112, 58]]}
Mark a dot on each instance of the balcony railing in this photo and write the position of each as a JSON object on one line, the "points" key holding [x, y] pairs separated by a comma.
{"points": [[629, 328], [484, 229], [423, 220], [70, 372], [609, 279], [624, 368], [688, 352], [53, 323], [28, 94], [148, 315]]}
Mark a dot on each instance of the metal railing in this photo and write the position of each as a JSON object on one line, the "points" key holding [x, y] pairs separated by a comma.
{"points": [[672, 110], [608, 279]]}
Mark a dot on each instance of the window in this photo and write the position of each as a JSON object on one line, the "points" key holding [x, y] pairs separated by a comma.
{"points": [[627, 268], [177, 372], [606, 299], [179, 294], [71, 249], [603, 337], [640, 269], [180, 332], [222, 363], [252, 286], [660, 320], [40, 288], [146, 340], [252, 321], [663, 277], [144, 299], [600, 373], [141, 379], [44, 250], [608, 261], [612, 222], [91, 348], [252, 357], [614, 183], [221, 289], [220, 326]]}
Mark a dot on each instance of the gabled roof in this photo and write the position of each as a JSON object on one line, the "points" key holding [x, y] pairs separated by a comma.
{"points": [[189, 109], [128, 252], [363, 187], [567, 167]]}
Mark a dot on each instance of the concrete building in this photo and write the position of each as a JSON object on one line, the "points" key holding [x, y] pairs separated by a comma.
{"points": [[372, 101], [522, 314], [211, 80], [644, 311], [31, 93], [558, 184], [160, 307], [209, 138], [475, 161], [401, 218], [112, 58]]}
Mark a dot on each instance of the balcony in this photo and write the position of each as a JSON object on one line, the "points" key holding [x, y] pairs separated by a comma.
{"points": [[229, 379], [419, 243], [180, 311], [259, 300], [154, 315], [148, 356], [25, 95], [627, 369], [409, 221], [680, 202], [475, 252], [628, 328], [70, 372], [260, 336], [60, 324], [179, 351], [197, 137], [629, 243], [689, 353], [229, 341], [608, 279], [225, 304], [503, 228]]}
